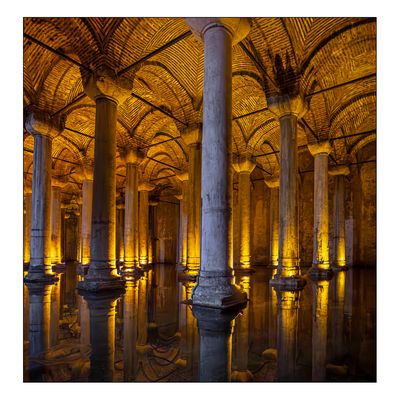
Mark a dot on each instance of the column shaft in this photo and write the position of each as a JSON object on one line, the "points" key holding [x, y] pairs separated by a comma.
{"points": [[120, 234], [27, 226], [244, 218], [339, 226], [143, 227], [274, 226], [55, 225]]}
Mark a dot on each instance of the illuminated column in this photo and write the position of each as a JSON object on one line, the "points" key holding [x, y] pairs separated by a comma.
{"points": [[102, 335], [144, 189], [130, 330], [39, 324], [242, 373], [44, 129], [183, 219], [56, 186], [273, 184], [132, 160], [319, 329], [27, 223], [339, 217], [214, 285], [321, 268], [87, 202], [244, 167], [192, 138], [120, 233], [142, 311], [152, 229], [288, 109], [108, 91], [215, 332]]}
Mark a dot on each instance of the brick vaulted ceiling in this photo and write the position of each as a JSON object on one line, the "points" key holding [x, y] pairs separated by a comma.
{"points": [[332, 60]]}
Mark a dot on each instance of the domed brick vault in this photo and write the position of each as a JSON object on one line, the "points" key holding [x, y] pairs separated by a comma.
{"points": [[330, 61]]}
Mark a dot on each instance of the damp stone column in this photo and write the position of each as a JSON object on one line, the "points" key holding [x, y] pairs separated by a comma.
{"points": [[144, 189], [87, 202], [120, 233], [273, 184], [192, 138], [339, 172], [153, 203], [56, 186], [27, 223], [132, 159], [321, 267], [183, 220], [288, 109], [244, 167], [214, 283], [108, 91], [44, 128]]}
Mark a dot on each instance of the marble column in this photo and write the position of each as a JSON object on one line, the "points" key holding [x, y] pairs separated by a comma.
{"points": [[87, 202], [273, 184], [339, 172], [152, 231], [214, 285], [288, 109], [56, 186], [132, 159], [120, 233], [319, 329], [108, 91], [44, 128], [288, 309], [27, 223], [144, 189], [192, 138], [244, 167], [183, 220], [321, 266]]}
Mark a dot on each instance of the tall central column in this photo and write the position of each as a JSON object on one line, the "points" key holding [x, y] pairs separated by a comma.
{"points": [[144, 189], [108, 91], [87, 201], [214, 286], [273, 184], [339, 214], [321, 266], [132, 159], [183, 220], [192, 138], [288, 109], [244, 167], [27, 222], [44, 128]]}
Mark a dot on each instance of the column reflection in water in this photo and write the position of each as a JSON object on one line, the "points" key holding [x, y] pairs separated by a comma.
{"points": [[288, 309], [130, 300], [191, 350], [272, 315], [55, 312], [241, 336], [215, 332], [337, 325], [84, 321], [319, 329], [102, 334], [39, 325], [142, 311]]}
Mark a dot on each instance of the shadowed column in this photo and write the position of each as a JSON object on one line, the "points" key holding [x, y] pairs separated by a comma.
{"points": [[56, 186], [144, 189], [273, 184], [214, 285], [183, 220], [27, 223]]}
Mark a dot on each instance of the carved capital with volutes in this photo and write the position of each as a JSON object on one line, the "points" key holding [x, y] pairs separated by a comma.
{"points": [[239, 28], [42, 123], [104, 82], [286, 104]]}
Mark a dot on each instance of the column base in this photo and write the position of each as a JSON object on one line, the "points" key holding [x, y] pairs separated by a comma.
{"points": [[35, 277], [59, 267], [215, 290], [187, 275], [240, 271], [92, 285], [287, 283], [242, 376], [320, 274], [82, 269], [337, 268]]}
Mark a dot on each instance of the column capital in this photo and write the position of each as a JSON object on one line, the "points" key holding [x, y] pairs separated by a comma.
{"points": [[272, 182], [58, 181], [243, 164], [79, 200], [237, 27], [153, 202], [42, 123], [179, 196], [339, 170], [87, 170], [120, 206], [104, 82], [192, 134], [27, 190], [320, 148], [183, 176], [287, 104], [131, 156], [146, 187]]}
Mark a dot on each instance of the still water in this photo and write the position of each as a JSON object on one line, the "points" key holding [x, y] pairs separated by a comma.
{"points": [[151, 333]]}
